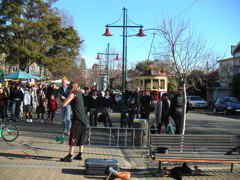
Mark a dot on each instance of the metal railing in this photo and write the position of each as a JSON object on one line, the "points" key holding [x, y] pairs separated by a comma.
{"points": [[117, 137]]}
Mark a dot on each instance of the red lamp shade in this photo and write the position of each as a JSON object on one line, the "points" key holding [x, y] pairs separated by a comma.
{"points": [[98, 57], [117, 58], [107, 33], [141, 33]]}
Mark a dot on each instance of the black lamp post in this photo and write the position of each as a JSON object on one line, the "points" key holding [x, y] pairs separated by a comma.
{"points": [[124, 27], [107, 65]]}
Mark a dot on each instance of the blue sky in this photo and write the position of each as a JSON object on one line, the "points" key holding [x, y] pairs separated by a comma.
{"points": [[217, 21]]}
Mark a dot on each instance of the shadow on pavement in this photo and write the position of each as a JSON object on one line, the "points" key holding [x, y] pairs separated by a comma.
{"points": [[81, 172], [38, 148], [24, 156], [115, 155], [74, 171]]}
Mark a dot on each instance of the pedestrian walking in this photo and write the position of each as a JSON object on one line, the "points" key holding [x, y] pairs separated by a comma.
{"points": [[65, 110], [79, 120], [162, 112]]}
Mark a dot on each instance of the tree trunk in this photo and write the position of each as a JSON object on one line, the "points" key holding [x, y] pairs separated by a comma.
{"points": [[183, 122], [22, 64]]}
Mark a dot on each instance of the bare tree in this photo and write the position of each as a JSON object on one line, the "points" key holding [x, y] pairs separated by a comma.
{"points": [[185, 50], [115, 77], [67, 19], [113, 67]]}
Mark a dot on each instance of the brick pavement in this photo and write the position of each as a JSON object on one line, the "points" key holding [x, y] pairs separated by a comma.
{"points": [[35, 155]]}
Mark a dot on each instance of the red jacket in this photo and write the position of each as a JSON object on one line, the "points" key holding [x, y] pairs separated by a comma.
{"points": [[52, 104]]}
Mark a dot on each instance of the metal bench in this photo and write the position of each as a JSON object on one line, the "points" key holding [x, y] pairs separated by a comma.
{"points": [[194, 148]]}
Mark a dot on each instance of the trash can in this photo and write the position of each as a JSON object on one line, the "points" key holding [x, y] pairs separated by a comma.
{"points": [[141, 135]]}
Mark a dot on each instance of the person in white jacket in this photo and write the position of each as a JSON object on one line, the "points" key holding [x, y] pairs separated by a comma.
{"points": [[162, 108], [27, 102]]}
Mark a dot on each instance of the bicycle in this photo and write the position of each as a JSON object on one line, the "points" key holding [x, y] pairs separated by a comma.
{"points": [[9, 132]]}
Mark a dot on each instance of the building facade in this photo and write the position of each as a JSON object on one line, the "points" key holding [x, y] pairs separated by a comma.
{"points": [[152, 80], [229, 67]]}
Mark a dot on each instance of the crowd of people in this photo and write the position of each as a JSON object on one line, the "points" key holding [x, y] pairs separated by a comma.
{"points": [[85, 106], [20, 100]]}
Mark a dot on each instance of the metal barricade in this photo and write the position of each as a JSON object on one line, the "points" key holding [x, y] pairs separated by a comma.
{"points": [[118, 137]]}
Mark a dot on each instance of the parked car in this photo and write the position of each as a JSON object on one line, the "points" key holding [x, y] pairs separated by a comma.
{"points": [[197, 102], [227, 104]]}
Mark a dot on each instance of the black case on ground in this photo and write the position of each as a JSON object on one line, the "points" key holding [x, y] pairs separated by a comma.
{"points": [[97, 166]]}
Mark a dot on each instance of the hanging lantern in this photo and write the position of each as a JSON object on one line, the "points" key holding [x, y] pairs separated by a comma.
{"points": [[117, 58], [141, 33], [107, 32], [98, 57]]}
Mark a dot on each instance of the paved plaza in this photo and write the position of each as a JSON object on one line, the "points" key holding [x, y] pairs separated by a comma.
{"points": [[35, 155]]}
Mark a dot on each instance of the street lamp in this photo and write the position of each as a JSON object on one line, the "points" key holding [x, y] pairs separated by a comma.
{"points": [[124, 27], [107, 65]]}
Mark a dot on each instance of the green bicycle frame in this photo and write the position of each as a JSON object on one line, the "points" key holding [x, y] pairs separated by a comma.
{"points": [[0, 133], [8, 130]]}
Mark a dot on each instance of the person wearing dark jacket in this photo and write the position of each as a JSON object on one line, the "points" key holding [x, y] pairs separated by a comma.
{"points": [[2, 103], [132, 109], [86, 99], [162, 108], [6, 91], [176, 109], [52, 108], [94, 105], [79, 120], [146, 100], [138, 98], [107, 103], [53, 90], [17, 98]]}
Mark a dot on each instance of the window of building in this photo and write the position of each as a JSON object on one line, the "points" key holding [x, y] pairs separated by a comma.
{"points": [[147, 84], [155, 84], [162, 84]]}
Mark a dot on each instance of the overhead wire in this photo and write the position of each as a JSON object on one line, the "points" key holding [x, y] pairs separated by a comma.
{"points": [[185, 9], [151, 46], [117, 20], [133, 22], [140, 45]]}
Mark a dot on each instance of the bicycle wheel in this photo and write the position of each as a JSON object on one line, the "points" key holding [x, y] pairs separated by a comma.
{"points": [[10, 133]]}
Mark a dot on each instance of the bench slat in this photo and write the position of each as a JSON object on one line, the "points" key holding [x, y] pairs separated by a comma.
{"points": [[199, 160], [196, 154], [195, 148], [195, 140]]}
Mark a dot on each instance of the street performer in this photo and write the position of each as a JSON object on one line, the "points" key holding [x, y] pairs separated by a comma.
{"points": [[79, 119]]}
